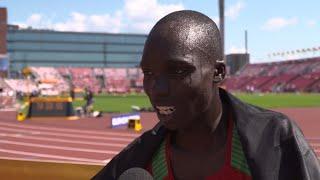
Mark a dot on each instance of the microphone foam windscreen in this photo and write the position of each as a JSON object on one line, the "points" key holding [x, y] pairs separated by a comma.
{"points": [[135, 174]]}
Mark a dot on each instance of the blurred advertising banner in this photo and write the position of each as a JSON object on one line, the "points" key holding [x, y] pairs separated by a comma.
{"points": [[4, 65]]}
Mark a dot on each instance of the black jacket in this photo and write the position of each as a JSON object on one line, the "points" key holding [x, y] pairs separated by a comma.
{"points": [[274, 146]]}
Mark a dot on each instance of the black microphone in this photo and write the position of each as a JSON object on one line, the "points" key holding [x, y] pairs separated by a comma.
{"points": [[135, 174]]}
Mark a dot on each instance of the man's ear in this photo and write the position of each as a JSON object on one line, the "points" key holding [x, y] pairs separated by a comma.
{"points": [[219, 72]]}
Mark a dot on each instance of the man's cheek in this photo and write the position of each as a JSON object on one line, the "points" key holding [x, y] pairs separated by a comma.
{"points": [[147, 87], [188, 82]]}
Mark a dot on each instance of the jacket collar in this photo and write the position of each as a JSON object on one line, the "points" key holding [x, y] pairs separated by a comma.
{"points": [[256, 130]]}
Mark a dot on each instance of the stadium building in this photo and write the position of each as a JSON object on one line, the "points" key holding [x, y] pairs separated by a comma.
{"points": [[4, 61], [29, 47], [47, 48], [106, 62], [32, 58], [83, 59], [73, 49]]}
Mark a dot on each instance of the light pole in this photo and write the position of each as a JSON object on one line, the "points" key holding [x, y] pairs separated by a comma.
{"points": [[221, 26]]}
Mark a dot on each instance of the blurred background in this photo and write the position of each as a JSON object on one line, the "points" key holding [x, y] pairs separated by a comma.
{"points": [[70, 80]]}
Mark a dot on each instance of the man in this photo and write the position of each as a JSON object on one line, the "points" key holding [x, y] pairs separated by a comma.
{"points": [[204, 132], [88, 97]]}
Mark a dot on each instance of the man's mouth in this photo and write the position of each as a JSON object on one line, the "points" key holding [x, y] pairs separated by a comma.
{"points": [[165, 110]]}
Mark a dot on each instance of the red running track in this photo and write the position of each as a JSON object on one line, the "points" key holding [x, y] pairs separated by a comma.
{"points": [[38, 140], [92, 141]]}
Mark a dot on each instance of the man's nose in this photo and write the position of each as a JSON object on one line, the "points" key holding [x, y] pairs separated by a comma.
{"points": [[161, 86]]}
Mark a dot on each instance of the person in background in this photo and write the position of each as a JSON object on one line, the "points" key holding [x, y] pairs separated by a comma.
{"points": [[88, 97], [71, 92], [204, 132]]}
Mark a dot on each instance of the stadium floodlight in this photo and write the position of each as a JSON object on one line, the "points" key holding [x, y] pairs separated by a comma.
{"points": [[221, 25]]}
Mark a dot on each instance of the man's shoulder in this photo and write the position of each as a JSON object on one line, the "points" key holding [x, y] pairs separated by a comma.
{"points": [[273, 119], [136, 154], [250, 117], [140, 145], [241, 107], [144, 138]]}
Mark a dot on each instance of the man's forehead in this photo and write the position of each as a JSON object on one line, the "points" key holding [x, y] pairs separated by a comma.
{"points": [[171, 60], [181, 60]]}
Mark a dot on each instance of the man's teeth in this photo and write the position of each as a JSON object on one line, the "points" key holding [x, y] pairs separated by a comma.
{"points": [[166, 110]]}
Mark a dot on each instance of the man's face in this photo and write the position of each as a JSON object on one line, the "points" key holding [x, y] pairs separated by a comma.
{"points": [[177, 81]]}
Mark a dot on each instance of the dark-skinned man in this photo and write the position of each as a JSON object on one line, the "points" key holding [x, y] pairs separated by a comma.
{"points": [[204, 132]]}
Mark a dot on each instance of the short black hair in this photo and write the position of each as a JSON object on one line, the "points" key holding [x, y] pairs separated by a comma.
{"points": [[195, 30]]}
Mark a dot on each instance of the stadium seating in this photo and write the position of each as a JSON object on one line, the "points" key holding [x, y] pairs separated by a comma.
{"points": [[275, 69], [292, 76], [252, 70], [296, 68], [256, 83], [277, 82], [133, 73], [316, 68], [85, 78], [22, 85], [98, 71], [64, 71], [304, 82], [52, 76], [314, 87], [116, 80], [237, 83], [111, 80], [7, 96]]}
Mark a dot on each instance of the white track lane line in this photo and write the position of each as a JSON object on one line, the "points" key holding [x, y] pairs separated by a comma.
{"points": [[59, 147], [315, 144], [51, 156], [104, 162], [22, 136], [313, 138], [41, 127], [66, 135]]}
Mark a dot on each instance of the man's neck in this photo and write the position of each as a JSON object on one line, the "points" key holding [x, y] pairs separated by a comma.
{"points": [[209, 135]]}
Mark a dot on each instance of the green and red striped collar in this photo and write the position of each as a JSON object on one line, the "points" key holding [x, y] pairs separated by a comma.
{"points": [[160, 165]]}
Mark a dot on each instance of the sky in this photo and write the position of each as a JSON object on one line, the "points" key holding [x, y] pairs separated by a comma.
{"points": [[274, 26]]}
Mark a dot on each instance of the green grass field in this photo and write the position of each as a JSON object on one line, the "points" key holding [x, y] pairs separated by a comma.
{"points": [[281, 100], [109, 103]]}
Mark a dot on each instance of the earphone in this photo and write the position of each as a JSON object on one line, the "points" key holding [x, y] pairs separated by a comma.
{"points": [[218, 76]]}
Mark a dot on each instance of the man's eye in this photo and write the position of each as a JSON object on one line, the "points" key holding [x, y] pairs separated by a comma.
{"points": [[147, 73], [179, 71]]}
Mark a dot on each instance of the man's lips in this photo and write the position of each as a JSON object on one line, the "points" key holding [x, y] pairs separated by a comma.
{"points": [[165, 119], [165, 110]]}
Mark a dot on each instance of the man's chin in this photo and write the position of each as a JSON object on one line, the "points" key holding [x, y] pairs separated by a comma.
{"points": [[168, 122], [170, 126]]}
